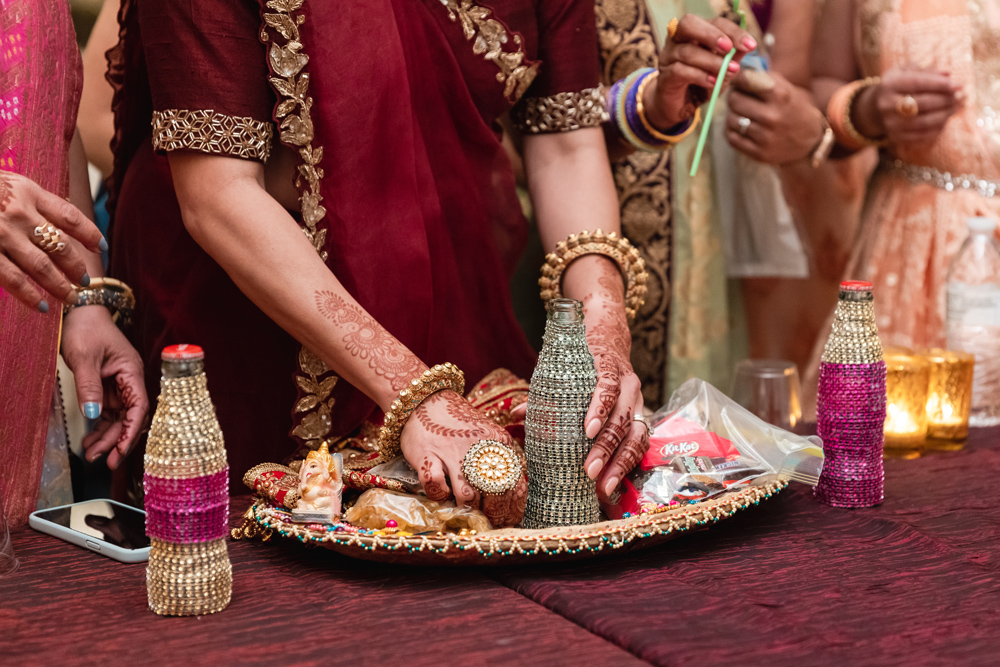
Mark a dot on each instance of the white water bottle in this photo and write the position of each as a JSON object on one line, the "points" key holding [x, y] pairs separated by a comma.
{"points": [[973, 315]]}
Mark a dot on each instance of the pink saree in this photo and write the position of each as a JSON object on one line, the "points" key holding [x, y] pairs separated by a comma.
{"points": [[40, 80]]}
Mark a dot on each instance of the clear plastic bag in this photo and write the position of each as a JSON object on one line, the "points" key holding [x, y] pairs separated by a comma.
{"points": [[705, 443], [413, 514]]}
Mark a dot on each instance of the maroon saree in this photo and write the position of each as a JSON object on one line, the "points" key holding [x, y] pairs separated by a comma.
{"points": [[40, 81], [406, 192]]}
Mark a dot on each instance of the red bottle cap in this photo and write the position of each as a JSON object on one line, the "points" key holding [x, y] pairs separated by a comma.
{"points": [[182, 352], [855, 286]]}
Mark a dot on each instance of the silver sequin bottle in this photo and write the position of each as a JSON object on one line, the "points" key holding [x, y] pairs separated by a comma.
{"points": [[559, 491]]}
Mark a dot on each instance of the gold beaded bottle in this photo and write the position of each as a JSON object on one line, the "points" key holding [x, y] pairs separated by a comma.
{"points": [[187, 493]]}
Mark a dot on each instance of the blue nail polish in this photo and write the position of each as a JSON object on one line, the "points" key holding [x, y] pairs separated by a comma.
{"points": [[103, 245], [91, 410], [43, 307], [85, 281]]}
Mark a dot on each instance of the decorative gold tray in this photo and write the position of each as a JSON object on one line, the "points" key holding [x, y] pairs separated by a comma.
{"points": [[510, 546]]}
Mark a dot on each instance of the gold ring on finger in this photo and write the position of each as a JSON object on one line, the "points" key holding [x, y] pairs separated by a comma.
{"points": [[48, 238], [491, 467], [907, 106], [645, 422], [672, 27], [744, 124]]}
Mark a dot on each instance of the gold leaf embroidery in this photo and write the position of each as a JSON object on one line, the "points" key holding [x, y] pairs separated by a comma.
{"points": [[488, 38], [206, 131], [287, 62], [562, 112]]}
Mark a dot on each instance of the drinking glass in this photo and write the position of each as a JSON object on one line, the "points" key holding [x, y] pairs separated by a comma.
{"points": [[769, 388]]}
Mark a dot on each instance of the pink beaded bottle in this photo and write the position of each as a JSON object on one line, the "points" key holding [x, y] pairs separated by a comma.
{"points": [[187, 493], [851, 403]]}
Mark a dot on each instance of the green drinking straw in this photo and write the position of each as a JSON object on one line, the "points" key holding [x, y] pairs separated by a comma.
{"points": [[715, 94]]}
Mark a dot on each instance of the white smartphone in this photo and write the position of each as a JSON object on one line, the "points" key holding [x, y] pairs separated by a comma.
{"points": [[105, 526]]}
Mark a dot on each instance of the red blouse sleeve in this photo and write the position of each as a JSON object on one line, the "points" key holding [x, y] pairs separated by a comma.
{"points": [[566, 95], [208, 76]]}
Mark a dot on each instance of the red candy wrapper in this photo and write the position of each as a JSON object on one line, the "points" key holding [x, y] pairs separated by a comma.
{"points": [[704, 443]]}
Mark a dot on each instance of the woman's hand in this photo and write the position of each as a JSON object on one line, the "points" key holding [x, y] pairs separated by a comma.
{"points": [[109, 382], [689, 65], [785, 125], [877, 114], [620, 440], [435, 440], [24, 206]]}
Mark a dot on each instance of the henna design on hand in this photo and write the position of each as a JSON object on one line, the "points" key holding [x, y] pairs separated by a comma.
{"points": [[507, 510], [611, 436], [608, 384], [432, 489], [454, 410], [128, 399], [631, 452], [368, 340], [6, 190]]}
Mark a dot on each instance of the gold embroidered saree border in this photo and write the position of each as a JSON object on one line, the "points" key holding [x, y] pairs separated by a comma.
{"points": [[207, 131], [488, 37], [562, 112], [286, 62]]}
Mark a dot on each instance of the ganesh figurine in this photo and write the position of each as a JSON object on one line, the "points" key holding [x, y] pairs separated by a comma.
{"points": [[321, 481]]}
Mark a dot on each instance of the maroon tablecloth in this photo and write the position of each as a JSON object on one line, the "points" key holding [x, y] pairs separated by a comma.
{"points": [[914, 581]]}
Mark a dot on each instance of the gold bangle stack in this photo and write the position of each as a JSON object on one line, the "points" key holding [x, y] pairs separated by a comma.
{"points": [[849, 127], [113, 294], [433, 380], [611, 245], [641, 112]]}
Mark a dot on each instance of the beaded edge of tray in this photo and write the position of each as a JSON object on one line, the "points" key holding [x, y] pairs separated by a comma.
{"points": [[510, 546]]}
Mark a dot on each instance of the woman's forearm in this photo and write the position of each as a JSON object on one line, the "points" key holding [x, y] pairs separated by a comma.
{"points": [[261, 247], [572, 189]]}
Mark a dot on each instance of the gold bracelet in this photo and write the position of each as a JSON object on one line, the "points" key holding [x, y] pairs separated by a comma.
{"points": [[640, 111], [610, 245], [433, 380], [113, 294], [849, 127]]}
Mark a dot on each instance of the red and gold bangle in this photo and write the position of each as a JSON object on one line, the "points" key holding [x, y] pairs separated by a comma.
{"points": [[611, 245], [431, 381], [839, 110]]}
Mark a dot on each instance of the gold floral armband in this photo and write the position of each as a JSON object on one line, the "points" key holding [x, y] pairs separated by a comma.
{"points": [[598, 243], [433, 380], [113, 294]]}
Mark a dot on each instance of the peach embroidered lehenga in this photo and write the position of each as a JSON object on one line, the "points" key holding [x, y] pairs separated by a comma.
{"points": [[920, 197]]}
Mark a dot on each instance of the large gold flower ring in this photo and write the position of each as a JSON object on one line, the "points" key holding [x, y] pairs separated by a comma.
{"points": [[492, 467]]}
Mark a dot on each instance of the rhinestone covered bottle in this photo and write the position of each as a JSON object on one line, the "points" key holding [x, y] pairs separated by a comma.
{"points": [[186, 493], [559, 491], [851, 403]]}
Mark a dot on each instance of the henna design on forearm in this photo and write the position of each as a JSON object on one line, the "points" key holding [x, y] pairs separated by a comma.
{"points": [[6, 190], [611, 334], [368, 340], [612, 286]]}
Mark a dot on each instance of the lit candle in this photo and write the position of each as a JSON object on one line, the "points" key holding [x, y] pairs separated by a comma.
{"points": [[950, 396], [907, 383]]}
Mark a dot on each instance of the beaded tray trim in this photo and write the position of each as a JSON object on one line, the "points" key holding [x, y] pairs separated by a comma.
{"points": [[508, 545]]}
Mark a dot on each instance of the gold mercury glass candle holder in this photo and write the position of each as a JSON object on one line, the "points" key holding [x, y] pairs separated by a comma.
{"points": [[907, 382], [949, 398]]}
